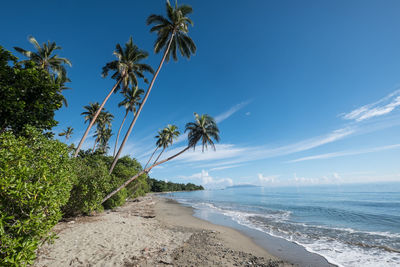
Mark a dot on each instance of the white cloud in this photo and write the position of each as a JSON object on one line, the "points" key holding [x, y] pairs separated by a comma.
{"points": [[223, 116], [384, 106], [208, 181], [264, 180], [347, 153], [248, 113]]}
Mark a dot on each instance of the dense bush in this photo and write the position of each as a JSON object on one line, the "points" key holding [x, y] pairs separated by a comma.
{"points": [[88, 191], [28, 95], [94, 183], [35, 180]]}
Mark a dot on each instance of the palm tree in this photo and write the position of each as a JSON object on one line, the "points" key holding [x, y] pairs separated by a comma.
{"points": [[127, 68], [172, 35], [60, 80], [203, 129], [132, 98], [44, 56], [91, 110], [103, 140], [169, 134], [67, 133], [103, 125]]}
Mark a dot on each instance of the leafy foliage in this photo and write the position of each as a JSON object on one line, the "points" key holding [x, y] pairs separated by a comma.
{"points": [[161, 186], [94, 182], [28, 95], [35, 180]]}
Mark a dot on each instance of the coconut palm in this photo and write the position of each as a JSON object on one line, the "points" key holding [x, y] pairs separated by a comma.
{"points": [[67, 132], [203, 129], [164, 138], [44, 56], [127, 68], [91, 110], [131, 100], [169, 134], [103, 140], [172, 35], [103, 124], [60, 80]]}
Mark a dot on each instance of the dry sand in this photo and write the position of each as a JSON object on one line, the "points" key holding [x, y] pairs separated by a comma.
{"points": [[151, 231]]}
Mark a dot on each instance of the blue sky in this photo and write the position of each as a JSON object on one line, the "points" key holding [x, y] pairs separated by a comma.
{"points": [[305, 92]]}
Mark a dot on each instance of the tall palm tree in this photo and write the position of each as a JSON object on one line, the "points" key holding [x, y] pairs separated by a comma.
{"points": [[170, 133], [131, 100], [160, 139], [103, 125], [127, 68], [44, 56], [67, 133], [203, 129], [172, 35]]}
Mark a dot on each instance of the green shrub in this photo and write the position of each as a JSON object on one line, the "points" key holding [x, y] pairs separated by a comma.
{"points": [[116, 200], [93, 183], [35, 179]]}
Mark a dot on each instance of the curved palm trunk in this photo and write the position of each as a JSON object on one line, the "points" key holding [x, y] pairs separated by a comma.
{"points": [[95, 143], [142, 172], [155, 150], [159, 156], [95, 117], [119, 131], [141, 105]]}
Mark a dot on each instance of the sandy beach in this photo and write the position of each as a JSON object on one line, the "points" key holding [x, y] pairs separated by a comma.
{"points": [[150, 231]]}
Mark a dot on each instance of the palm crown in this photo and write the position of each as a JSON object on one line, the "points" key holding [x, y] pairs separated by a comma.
{"points": [[128, 66], [67, 133], [132, 97], [205, 129], [45, 57], [167, 136], [91, 110], [175, 27]]}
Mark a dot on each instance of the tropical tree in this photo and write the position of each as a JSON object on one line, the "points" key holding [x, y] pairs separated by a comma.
{"points": [[91, 110], [127, 68], [169, 134], [103, 129], [103, 140], [172, 33], [203, 129], [67, 133], [60, 81], [131, 100], [44, 56]]}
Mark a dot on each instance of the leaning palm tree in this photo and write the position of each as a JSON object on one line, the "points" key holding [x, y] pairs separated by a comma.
{"points": [[67, 133], [172, 35], [170, 133], [160, 140], [131, 100], [203, 129], [44, 56], [127, 68]]}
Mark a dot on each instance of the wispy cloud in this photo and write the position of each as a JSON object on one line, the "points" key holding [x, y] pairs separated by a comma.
{"points": [[347, 153], [223, 116], [381, 107], [209, 182]]}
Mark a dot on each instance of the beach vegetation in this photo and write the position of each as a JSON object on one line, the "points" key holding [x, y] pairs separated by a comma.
{"points": [[36, 176]]}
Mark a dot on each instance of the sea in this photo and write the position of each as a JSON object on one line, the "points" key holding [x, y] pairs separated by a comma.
{"points": [[348, 225]]}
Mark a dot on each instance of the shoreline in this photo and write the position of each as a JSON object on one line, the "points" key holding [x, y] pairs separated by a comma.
{"points": [[277, 247], [151, 231]]}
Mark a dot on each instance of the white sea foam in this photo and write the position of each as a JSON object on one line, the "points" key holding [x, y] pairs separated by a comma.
{"points": [[334, 251]]}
